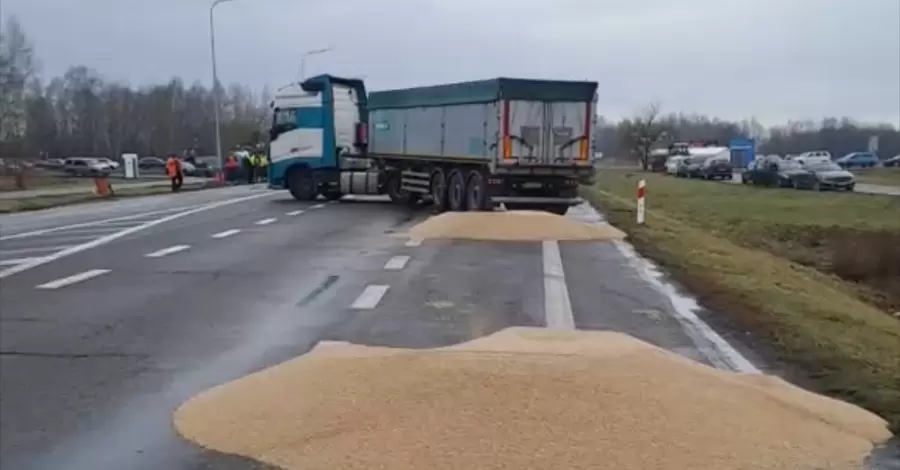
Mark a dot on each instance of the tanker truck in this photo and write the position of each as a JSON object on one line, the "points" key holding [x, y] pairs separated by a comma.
{"points": [[463, 147]]}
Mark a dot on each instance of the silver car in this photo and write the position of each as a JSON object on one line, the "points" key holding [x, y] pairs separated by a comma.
{"points": [[86, 167]]}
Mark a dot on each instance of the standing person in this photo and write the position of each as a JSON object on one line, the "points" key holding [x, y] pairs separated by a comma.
{"points": [[173, 171], [231, 169], [247, 162], [263, 167]]}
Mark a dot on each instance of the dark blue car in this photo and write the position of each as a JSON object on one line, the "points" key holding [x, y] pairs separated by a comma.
{"points": [[858, 160]]}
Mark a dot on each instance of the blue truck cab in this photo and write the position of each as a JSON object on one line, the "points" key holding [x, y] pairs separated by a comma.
{"points": [[318, 127]]}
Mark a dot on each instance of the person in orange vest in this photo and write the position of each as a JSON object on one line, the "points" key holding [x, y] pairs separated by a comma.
{"points": [[173, 171], [231, 169]]}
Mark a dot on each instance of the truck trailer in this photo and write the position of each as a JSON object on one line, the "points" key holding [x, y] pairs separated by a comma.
{"points": [[462, 146]]}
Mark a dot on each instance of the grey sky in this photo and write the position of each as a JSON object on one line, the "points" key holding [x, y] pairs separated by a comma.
{"points": [[773, 59]]}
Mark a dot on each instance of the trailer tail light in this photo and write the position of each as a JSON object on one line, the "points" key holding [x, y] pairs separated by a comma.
{"points": [[507, 141], [362, 134], [585, 142]]}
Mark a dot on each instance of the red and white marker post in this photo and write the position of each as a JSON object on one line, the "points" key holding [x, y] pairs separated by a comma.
{"points": [[641, 190]]}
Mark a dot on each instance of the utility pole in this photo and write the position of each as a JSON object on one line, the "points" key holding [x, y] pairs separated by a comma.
{"points": [[212, 43]]}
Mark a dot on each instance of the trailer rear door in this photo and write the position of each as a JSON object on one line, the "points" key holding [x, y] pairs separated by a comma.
{"points": [[548, 133]]}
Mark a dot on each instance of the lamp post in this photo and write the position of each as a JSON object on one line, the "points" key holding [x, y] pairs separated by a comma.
{"points": [[307, 54], [212, 43]]}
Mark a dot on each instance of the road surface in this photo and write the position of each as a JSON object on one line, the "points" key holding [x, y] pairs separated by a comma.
{"points": [[139, 304]]}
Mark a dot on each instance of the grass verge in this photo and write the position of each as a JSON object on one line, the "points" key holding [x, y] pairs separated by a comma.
{"points": [[883, 176], [46, 202], [733, 247]]}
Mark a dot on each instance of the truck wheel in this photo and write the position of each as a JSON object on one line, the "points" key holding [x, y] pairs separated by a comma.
{"points": [[476, 192], [456, 191], [302, 185], [439, 190]]}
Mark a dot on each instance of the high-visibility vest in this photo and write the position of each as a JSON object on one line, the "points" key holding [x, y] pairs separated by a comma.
{"points": [[173, 167], [263, 162]]}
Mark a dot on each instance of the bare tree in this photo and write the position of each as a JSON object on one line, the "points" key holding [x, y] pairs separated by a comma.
{"points": [[642, 132], [17, 66]]}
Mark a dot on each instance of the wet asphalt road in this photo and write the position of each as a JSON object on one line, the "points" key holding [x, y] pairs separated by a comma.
{"points": [[92, 366]]}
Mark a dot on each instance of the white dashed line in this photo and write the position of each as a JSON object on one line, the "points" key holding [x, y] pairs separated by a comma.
{"points": [[370, 297], [227, 233], [117, 235], [317, 206], [73, 279], [557, 306], [12, 262], [396, 263], [266, 221], [414, 242], [293, 213], [167, 251]]}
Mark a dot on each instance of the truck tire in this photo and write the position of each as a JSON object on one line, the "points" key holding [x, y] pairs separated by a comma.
{"points": [[439, 190], [456, 191], [476, 192], [302, 185]]}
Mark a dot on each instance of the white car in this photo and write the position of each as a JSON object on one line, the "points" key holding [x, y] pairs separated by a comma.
{"points": [[818, 156], [672, 164], [108, 162]]}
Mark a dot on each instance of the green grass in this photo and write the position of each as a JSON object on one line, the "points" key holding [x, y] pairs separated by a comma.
{"points": [[747, 253], [46, 202], [884, 176]]}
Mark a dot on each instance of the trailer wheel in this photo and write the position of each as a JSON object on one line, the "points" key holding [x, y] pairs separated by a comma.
{"points": [[476, 192], [439, 190], [302, 185], [456, 191]]}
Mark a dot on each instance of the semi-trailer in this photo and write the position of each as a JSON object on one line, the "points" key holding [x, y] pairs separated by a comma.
{"points": [[462, 146]]}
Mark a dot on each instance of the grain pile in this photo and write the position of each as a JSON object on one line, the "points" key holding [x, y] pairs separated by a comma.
{"points": [[511, 226], [524, 399]]}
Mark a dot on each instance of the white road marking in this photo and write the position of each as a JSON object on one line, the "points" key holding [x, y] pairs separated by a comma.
{"points": [[370, 297], [34, 249], [227, 233], [723, 355], [266, 221], [73, 279], [167, 251], [557, 306], [396, 263], [712, 345], [115, 236], [317, 206], [293, 213], [414, 242], [12, 262], [131, 218]]}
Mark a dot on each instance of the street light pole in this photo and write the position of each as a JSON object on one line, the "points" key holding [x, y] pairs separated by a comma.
{"points": [[303, 60], [212, 43]]}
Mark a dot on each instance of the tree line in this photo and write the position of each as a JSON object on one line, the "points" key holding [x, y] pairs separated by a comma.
{"points": [[81, 113]]}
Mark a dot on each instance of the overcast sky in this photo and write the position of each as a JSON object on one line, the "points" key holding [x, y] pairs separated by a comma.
{"points": [[773, 59]]}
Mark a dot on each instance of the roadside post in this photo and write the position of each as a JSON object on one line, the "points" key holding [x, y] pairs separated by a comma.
{"points": [[641, 189]]}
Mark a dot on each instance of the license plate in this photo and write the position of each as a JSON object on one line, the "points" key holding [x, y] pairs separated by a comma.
{"points": [[532, 185]]}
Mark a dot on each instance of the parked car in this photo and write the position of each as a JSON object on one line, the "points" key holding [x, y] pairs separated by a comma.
{"points": [[893, 161], [817, 156], [672, 164], [776, 172], [51, 163], [151, 163], [717, 168], [108, 161], [691, 167], [858, 160], [85, 167], [827, 175]]}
